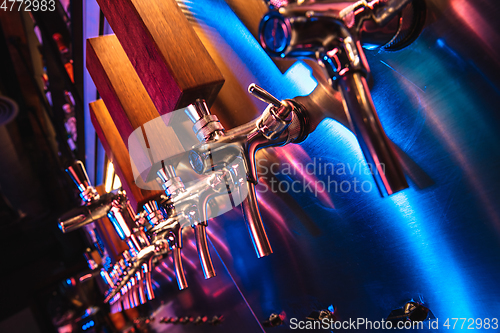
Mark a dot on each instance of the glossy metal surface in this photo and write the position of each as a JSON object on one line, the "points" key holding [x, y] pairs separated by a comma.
{"points": [[331, 33], [376, 147], [78, 174], [438, 101], [94, 206], [437, 243], [84, 215], [200, 231], [220, 150]]}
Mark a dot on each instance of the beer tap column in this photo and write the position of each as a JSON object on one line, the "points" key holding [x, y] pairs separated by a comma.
{"points": [[169, 231], [195, 212], [310, 29], [282, 122], [94, 207]]}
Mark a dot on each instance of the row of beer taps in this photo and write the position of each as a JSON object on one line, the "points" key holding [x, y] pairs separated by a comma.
{"points": [[225, 159]]}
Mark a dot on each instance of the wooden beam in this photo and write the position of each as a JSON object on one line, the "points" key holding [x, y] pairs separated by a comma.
{"points": [[138, 122], [250, 13], [168, 56], [117, 152]]}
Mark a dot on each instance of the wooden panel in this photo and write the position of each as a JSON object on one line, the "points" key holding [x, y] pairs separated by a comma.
{"points": [[130, 106], [118, 85], [117, 152], [171, 61], [251, 12]]}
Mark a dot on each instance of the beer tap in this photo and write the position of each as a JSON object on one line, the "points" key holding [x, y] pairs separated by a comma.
{"points": [[281, 123], [94, 206], [126, 272], [136, 286], [333, 35], [168, 232], [165, 236], [192, 203]]}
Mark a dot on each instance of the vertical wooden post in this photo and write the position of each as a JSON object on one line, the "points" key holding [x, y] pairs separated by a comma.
{"points": [[167, 54], [117, 152], [130, 107]]}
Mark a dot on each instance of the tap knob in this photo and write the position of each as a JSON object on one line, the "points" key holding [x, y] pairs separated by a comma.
{"points": [[263, 95], [277, 116], [200, 232], [197, 110], [153, 213], [122, 216], [280, 109], [79, 176], [169, 181], [206, 125]]}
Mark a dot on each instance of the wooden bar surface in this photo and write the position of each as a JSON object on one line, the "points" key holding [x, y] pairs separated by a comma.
{"points": [[168, 56], [118, 153]]}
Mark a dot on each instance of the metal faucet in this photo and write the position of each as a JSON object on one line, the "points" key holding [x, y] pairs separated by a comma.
{"points": [[217, 159], [163, 224], [191, 205], [138, 282], [331, 33], [133, 285], [126, 270], [167, 233], [94, 206], [163, 236], [282, 122]]}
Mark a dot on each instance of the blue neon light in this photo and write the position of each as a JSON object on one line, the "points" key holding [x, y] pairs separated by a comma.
{"points": [[88, 325], [216, 14]]}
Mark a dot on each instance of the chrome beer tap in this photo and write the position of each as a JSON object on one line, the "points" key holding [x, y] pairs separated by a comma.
{"points": [[164, 236], [129, 276], [127, 271], [333, 34], [167, 231], [281, 123], [192, 204], [94, 207]]}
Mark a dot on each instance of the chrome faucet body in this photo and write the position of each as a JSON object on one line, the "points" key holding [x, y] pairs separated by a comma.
{"points": [[331, 34], [130, 278], [190, 205], [281, 123], [94, 206], [227, 162]]}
